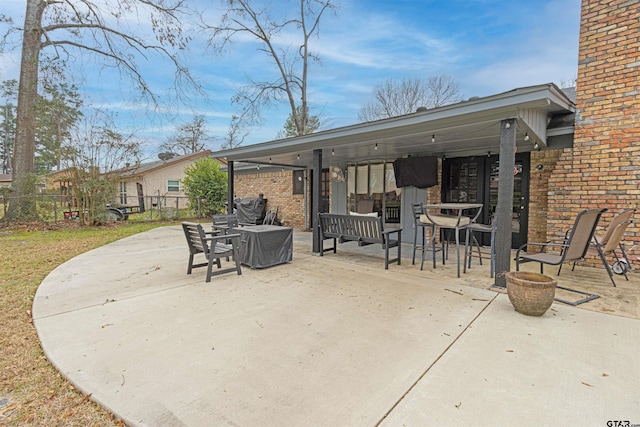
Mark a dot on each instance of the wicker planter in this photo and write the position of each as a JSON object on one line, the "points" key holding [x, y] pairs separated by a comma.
{"points": [[530, 293]]}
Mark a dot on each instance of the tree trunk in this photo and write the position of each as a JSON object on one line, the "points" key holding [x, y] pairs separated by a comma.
{"points": [[23, 182]]}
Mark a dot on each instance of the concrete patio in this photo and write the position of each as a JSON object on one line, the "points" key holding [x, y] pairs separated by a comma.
{"points": [[333, 341]]}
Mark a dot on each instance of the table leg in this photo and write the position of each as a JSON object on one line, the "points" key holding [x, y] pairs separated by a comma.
{"points": [[458, 248]]}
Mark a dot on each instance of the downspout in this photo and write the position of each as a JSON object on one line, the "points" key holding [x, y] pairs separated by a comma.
{"points": [[230, 187]]}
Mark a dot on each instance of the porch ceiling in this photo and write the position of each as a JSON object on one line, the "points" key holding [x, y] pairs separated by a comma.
{"points": [[467, 128]]}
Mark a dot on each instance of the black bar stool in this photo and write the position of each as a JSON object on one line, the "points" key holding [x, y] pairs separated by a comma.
{"points": [[470, 239]]}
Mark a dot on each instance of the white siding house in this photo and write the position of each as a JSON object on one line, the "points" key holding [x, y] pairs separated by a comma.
{"points": [[157, 182]]}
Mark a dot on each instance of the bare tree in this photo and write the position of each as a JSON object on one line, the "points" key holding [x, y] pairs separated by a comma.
{"points": [[291, 62], [62, 28], [189, 138], [393, 98], [236, 134], [94, 161], [570, 82]]}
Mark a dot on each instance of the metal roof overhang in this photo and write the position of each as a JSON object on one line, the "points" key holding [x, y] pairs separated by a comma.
{"points": [[467, 128]]}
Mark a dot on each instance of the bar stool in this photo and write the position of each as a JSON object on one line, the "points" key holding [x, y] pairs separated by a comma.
{"points": [[422, 225], [470, 239]]}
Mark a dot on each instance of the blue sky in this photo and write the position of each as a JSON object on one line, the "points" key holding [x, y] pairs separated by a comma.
{"points": [[487, 46]]}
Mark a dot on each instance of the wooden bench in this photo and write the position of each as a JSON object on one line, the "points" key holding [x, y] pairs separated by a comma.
{"points": [[365, 230]]}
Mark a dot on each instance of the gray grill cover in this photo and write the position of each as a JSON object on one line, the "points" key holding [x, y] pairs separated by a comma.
{"points": [[251, 210]]}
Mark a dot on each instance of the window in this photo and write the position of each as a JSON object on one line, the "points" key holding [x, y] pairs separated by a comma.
{"points": [[371, 187], [298, 182], [123, 193], [173, 185]]}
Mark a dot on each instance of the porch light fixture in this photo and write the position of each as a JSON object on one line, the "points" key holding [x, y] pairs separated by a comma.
{"points": [[433, 138], [489, 154], [270, 160], [333, 152], [536, 146], [526, 136], [375, 147], [298, 156], [507, 125], [258, 167]]}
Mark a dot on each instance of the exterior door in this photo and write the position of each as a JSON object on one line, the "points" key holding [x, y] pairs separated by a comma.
{"points": [[475, 180], [520, 212], [324, 192]]}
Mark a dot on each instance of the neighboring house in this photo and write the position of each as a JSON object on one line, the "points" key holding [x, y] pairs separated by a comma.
{"points": [[158, 182], [5, 180], [576, 149], [60, 181]]}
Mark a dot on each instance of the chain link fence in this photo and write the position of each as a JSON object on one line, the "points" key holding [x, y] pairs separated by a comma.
{"points": [[55, 208]]}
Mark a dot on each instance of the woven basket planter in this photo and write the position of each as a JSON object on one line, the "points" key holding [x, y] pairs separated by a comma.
{"points": [[530, 293]]}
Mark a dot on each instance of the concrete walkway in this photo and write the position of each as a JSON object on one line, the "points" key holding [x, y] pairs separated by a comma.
{"points": [[323, 341]]}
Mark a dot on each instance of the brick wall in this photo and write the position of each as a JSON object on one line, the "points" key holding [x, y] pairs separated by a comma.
{"points": [[277, 188], [603, 169], [543, 167]]}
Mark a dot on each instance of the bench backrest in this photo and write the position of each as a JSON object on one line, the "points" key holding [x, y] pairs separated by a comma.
{"points": [[367, 229]]}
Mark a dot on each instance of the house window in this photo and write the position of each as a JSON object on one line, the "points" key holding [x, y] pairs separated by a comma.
{"points": [[371, 187], [173, 185], [298, 182], [123, 193]]}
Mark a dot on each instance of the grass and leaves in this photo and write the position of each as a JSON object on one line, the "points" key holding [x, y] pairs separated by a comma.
{"points": [[32, 392]]}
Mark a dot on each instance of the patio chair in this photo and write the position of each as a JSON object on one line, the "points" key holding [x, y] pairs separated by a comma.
{"points": [[213, 247], [611, 241], [271, 218], [224, 222], [573, 249]]}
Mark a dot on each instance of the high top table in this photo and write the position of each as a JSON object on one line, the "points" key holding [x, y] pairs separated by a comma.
{"points": [[456, 221], [263, 246]]}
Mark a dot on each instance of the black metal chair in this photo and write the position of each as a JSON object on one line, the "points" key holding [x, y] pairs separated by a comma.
{"points": [[213, 247], [470, 239]]}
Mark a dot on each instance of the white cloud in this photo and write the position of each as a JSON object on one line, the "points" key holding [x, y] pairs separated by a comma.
{"points": [[489, 46]]}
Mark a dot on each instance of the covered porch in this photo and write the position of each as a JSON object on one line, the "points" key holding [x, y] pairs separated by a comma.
{"points": [[522, 120]]}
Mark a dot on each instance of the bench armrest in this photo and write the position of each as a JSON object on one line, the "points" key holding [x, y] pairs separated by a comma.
{"points": [[393, 230]]}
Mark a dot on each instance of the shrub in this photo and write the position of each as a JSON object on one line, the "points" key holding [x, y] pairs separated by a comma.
{"points": [[206, 186]]}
